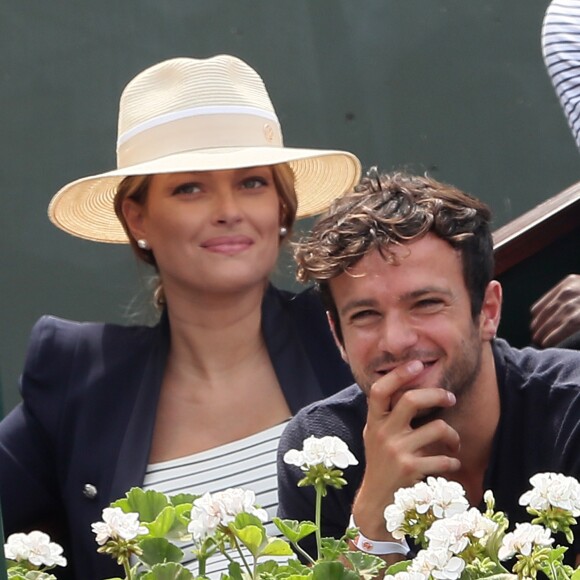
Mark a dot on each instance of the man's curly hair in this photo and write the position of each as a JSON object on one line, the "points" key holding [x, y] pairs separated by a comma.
{"points": [[395, 209]]}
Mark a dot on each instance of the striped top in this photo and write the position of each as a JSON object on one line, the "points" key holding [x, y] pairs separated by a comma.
{"points": [[561, 49], [249, 463]]}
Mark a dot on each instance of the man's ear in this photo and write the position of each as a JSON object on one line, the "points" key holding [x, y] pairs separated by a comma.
{"points": [[133, 213], [491, 310], [335, 336]]}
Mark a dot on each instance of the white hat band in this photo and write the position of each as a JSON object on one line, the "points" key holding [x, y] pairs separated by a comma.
{"points": [[197, 132]]}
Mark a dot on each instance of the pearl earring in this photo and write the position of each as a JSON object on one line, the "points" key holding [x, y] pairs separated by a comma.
{"points": [[283, 232], [143, 244]]}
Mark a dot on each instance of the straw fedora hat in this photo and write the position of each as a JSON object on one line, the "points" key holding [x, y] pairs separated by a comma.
{"points": [[188, 114]]}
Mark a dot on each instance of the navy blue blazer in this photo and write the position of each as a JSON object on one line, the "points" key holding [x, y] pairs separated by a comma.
{"points": [[90, 394]]}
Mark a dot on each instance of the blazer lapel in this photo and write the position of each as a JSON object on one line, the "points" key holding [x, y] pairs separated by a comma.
{"points": [[135, 447], [291, 364]]}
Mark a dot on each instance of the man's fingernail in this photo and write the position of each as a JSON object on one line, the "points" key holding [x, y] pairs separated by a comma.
{"points": [[415, 366], [452, 397]]}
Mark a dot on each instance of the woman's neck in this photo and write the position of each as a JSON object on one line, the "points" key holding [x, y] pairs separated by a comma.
{"points": [[213, 335]]}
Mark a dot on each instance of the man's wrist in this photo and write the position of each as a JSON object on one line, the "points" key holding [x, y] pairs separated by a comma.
{"points": [[377, 547], [368, 512]]}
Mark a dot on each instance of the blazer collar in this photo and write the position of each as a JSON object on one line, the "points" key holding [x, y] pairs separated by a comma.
{"points": [[291, 364], [136, 444]]}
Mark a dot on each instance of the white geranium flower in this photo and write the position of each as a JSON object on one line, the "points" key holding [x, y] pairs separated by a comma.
{"points": [[16, 547], [407, 575], [553, 489], [395, 514], [422, 496], [443, 498], [205, 517], [448, 497], [395, 518], [438, 563], [35, 548], [235, 501], [523, 540], [456, 533], [328, 451], [117, 525], [219, 509]]}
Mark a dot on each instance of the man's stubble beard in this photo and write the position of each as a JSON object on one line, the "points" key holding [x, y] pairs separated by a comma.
{"points": [[458, 378]]}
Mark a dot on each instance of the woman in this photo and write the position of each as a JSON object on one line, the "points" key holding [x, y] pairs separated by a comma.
{"points": [[205, 192]]}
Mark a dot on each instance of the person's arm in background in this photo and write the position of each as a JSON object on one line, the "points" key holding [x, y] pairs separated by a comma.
{"points": [[555, 317], [561, 50]]}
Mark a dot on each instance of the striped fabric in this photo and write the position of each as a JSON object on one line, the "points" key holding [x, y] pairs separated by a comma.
{"points": [[249, 463], [561, 49]]}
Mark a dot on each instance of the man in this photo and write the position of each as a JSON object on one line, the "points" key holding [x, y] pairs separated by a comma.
{"points": [[405, 265]]}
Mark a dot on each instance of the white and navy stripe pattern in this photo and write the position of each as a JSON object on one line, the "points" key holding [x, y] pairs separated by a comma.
{"points": [[249, 463], [561, 49]]}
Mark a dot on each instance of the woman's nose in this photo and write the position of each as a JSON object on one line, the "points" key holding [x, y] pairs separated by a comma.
{"points": [[226, 208]]}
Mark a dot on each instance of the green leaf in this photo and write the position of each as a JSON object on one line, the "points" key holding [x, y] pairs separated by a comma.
{"points": [[293, 529], [170, 571], [183, 498], [332, 571], [397, 567], [276, 547], [331, 549], [366, 565], [148, 504], [576, 575], [163, 523], [252, 537], [159, 551], [244, 519], [235, 571]]}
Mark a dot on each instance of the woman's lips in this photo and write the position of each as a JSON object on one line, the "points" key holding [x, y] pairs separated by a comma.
{"points": [[227, 244]]}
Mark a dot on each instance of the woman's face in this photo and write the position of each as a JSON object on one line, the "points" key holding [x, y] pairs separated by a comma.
{"points": [[210, 231]]}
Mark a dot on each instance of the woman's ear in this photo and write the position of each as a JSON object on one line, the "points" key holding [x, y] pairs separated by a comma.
{"points": [[491, 310], [133, 213]]}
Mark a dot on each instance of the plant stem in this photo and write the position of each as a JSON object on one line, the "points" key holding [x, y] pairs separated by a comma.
{"points": [[317, 518], [239, 550], [304, 553], [201, 563], [127, 568]]}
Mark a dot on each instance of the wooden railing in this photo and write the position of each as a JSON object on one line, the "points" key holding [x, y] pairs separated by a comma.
{"points": [[532, 253]]}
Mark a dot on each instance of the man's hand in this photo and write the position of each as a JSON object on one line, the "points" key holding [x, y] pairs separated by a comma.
{"points": [[397, 454], [556, 315]]}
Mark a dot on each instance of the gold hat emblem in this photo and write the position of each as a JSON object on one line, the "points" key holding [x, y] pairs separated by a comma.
{"points": [[268, 132]]}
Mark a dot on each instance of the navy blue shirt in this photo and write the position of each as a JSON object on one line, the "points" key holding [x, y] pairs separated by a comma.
{"points": [[538, 431]]}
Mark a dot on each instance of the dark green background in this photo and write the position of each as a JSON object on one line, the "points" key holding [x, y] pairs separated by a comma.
{"points": [[455, 87]]}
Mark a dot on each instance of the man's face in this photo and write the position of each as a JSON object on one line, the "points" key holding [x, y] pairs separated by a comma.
{"points": [[416, 308]]}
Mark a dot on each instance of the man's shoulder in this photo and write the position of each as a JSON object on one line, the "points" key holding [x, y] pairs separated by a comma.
{"points": [[534, 370], [348, 400], [342, 414]]}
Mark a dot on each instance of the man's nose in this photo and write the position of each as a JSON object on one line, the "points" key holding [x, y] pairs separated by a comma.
{"points": [[398, 335]]}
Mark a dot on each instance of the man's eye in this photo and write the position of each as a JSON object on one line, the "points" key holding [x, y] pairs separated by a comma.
{"points": [[429, 304], [363, 315], [187, 188]]}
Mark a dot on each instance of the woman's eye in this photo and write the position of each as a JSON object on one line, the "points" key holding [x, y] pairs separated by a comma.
{"points": [[254, 182], [187, 188]]}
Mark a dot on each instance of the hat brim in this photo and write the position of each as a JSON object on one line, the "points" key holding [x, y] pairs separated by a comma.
{"points": [[85, 207]]}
